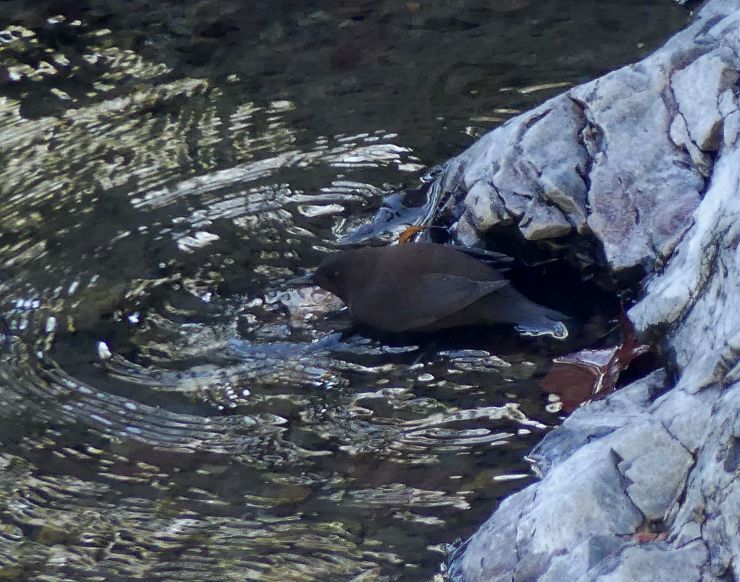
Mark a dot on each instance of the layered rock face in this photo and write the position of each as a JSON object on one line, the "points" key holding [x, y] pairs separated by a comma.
{"points": [[647, 160]]}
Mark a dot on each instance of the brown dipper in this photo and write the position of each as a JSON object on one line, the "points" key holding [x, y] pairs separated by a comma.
{"points": [[428, 287]]}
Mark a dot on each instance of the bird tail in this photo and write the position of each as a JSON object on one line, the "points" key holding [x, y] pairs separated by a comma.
{"points": [[533, 319], [508, 305], [543, 326]]}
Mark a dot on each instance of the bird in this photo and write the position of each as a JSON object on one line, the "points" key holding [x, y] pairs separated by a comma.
{"points": [[424, 287]]}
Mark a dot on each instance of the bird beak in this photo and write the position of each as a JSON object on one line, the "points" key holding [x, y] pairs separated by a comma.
{"points": [[302, 281]]}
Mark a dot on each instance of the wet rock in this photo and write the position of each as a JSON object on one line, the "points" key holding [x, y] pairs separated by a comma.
{"points": [[655, 147]]}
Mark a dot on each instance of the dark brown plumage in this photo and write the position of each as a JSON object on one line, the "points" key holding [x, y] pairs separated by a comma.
{"points": [[427, 287]]}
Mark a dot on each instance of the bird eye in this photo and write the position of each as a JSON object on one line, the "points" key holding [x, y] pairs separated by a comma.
{"points": [[335, 274]]}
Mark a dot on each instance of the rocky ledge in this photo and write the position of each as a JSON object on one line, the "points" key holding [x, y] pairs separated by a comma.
{"points": [[644, 484]]}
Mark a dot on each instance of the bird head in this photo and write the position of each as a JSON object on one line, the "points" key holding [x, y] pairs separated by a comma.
{"points": [[333, 273]]}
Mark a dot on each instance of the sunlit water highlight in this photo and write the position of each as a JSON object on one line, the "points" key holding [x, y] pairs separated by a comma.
{"points": [[168, 408]]}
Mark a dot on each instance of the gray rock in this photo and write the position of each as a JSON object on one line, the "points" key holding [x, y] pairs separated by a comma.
{"points": [[581, 559], [597, 420], [531, 529], [647, 160], [652, 484], [657, 563], [700, 109], [625, 156]]}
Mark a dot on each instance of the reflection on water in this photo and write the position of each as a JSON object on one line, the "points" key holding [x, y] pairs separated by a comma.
{"points": [[169, 410]]}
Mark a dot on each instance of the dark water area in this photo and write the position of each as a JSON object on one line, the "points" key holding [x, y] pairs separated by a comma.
{"points": [[169, 408]]}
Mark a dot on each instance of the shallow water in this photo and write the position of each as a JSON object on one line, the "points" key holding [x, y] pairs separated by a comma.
{"points": [[170, 410]]}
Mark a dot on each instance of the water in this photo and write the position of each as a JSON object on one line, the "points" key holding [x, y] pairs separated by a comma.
{"points": [[169, 410]]}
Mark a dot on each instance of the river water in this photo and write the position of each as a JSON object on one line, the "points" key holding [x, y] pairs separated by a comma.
{"points": [[169, 409]]}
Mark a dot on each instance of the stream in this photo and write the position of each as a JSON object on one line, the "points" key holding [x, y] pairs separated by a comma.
{"points": [[169, 408]]}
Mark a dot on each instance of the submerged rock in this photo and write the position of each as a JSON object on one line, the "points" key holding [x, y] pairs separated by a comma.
{"points": [[646, 159]]}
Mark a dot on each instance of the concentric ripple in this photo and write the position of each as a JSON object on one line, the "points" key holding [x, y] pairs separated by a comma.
{"points": [[169, 409]]}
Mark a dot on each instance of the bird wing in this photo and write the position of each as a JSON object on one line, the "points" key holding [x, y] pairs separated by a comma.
{"points": [[484, 255], [432, 297]]}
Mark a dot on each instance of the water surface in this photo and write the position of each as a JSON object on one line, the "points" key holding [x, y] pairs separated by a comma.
{"points": [[167, 411]]}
